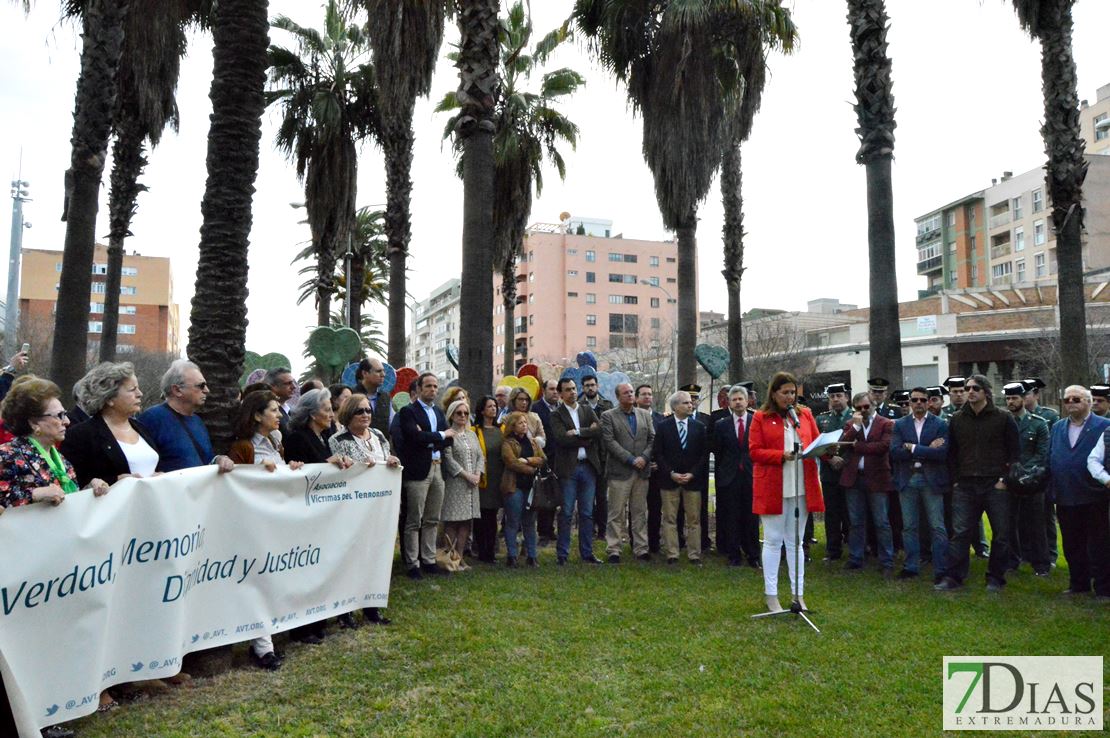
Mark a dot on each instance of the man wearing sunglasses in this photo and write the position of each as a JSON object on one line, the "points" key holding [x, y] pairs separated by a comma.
{"points": [[178, 431], [867, 482], [919, 449], [983, 443]]}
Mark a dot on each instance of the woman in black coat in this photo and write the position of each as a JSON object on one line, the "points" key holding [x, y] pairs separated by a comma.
{"points": [[111, 445]]}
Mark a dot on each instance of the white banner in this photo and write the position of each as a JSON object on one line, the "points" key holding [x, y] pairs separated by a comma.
{"points": [[101, 591]]}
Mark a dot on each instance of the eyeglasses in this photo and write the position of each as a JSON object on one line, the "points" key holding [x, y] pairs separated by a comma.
{"points": [[462, 412], [973, 388], [198, 385], [362, 411], [919, 399], [1073, 400], [863, 407], [57, 416]]}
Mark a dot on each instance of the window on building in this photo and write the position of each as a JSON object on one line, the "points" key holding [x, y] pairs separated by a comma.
{"points": [[96, 307], [671, 280], [95, 326], [618, 278], [531, 299], [125, 348], [616, 341], [591, 256], [1000, 271], [1040, 269], [1038, 201], [99, 268], [950, 218], [127, 290], [129, 272], [572, 252], [1101, 134], [670, 260], [655, 324], [1019, 269], [97, 288], [1039, 233], [655, 302], [616, 299], [591, 298], [631, 300], [1019, 239], [531, 276], [591, 277], [932, 223], [630, 258], [572, 272], [1015, 208], [591, 320], [591, 341], [531, 320], [616, 257], [572, 294], [128, 329], [653, 281], [58, 266], [653, 261]]}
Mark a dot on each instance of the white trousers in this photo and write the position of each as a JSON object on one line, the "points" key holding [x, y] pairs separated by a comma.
{"points": [[777, 530]]}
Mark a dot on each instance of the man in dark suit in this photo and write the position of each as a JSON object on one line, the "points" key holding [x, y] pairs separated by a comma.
{"points": [[919, 449], [370, 375], [681, 449], [628, 434], [577, 433], [282, 384], [867, 482], [425, 433], [694, 390], [547, 404], [645, 398], [737, 525]]}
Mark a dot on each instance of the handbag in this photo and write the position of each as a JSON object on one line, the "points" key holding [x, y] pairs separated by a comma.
{"points": [[546, 493]]}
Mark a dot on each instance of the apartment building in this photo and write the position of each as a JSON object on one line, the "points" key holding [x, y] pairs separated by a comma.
{"points": [[577, 292], [148, 316], [435, 326], [1094, 122]]}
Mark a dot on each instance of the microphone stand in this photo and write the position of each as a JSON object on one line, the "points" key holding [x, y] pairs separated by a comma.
{"points": [[795, 606]]}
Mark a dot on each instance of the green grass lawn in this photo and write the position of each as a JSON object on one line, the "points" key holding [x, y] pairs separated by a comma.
{"points": [[635, 649]]}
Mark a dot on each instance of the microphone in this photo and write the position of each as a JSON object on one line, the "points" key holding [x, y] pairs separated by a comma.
{"points": [[793, 412]]}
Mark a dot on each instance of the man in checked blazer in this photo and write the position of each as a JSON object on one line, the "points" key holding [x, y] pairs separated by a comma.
{"points": [[680, 450], [628, 433]]}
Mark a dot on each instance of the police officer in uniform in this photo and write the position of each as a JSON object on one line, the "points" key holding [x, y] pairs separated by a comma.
{"points": [[878, 387], [957, 396], [1034, 385], [836, 505], [1100, 400], [901, 399], [1027, 526], [936, 400]]}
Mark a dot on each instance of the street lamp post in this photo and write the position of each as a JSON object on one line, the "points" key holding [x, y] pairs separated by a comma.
{"points": [[20, 194], [674, 330]]}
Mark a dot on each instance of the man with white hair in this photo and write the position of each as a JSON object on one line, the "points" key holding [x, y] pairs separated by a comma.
{"points": [[628, 434], [501, 397], [179, 432], [681, 448]]}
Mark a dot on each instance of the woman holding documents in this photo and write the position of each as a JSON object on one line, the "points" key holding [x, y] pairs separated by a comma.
{"points": [[780, 431]]}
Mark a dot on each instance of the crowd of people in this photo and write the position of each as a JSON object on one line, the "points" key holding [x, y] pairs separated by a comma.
{"points": [[908, 474]]}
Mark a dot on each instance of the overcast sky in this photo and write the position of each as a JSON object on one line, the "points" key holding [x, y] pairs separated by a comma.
{"points": [[966, 84]]}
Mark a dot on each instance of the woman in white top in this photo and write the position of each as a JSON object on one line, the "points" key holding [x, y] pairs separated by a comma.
{"points": [[111, 445]]}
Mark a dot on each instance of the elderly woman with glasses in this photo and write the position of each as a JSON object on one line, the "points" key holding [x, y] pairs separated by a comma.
{"points": [[31, 468], [360, 442], [111, 445], [463, 464]]}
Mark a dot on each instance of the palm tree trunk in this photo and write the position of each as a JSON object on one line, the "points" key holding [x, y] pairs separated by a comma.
{"points": [[218, 320], [733, 232], [882, 331], [92, 123], [867, 23], [508, 299], [128, 162], [478, 65], [354, 292], [687, 300], [1066, 172], [397, 146]]}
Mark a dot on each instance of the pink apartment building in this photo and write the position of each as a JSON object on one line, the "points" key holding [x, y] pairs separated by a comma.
{"points": [[588, 292]]}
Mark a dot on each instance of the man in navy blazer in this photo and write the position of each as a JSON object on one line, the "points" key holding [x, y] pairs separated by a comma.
{"points": [[919, 449], [738, 526], [425, 433], [681, 448], [645, 398]]}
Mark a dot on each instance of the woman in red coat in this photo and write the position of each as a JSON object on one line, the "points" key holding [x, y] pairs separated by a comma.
{"points": [[776, 496]]}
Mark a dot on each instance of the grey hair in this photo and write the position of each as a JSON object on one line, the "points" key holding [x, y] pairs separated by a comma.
{"points": [[311, 401], [101, 384], [860, 396], [273, 374], [1080, 390], [737, 389], [677, 397], [175, 375]]}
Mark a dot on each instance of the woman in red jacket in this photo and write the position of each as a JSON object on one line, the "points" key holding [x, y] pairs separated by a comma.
{"points": [[773, 443]]}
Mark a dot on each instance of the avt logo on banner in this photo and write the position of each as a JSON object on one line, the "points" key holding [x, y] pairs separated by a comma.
{"points": [[1022, 693]]}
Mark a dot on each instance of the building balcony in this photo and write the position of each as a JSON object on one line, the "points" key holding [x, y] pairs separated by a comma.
{"points": [[930, 265], [929, 235], [997, 252], [1000, 219]]}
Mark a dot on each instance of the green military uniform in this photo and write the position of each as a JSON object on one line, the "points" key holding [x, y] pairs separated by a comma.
{"points": [[949, 410], [1050, 416], [836, 505], [1028, 540]]}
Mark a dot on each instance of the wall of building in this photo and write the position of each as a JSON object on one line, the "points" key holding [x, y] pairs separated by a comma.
{"points": [[1098, 141]]}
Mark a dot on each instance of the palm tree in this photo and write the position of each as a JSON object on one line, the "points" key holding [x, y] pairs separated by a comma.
{"points": [[328, 100], [867, 21], [218, 320], [405, 36], [755, 77], [528, 126], [154, 42], [102, 42], [1050, 22], [682, 62], [478, 62]]}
